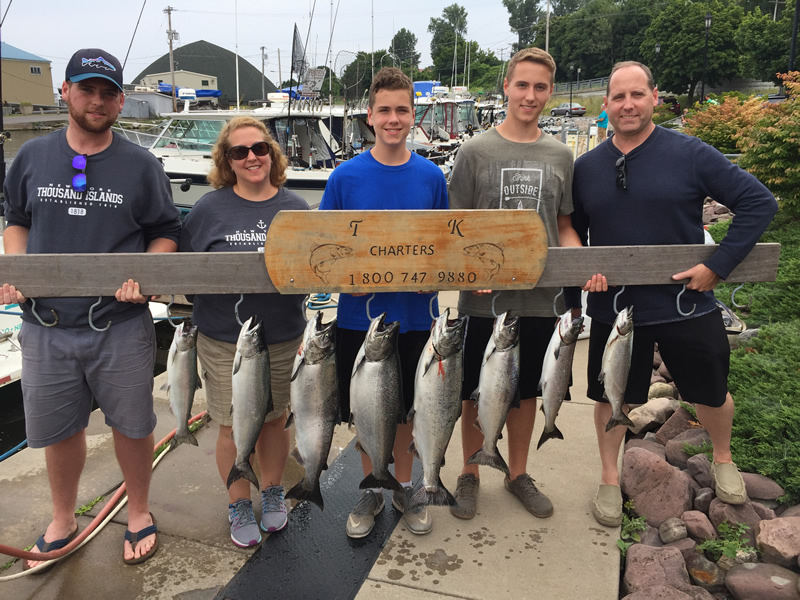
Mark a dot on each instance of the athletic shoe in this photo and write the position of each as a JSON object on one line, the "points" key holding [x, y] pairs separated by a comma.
{"points": [[607, 505], [273, 509], [244, 529], [362, 519], [466, 496], [728, 483], [415, 516], [534, 501]]}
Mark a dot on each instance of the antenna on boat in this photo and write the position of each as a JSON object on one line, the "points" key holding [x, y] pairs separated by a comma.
{"points": [[236, 44]]}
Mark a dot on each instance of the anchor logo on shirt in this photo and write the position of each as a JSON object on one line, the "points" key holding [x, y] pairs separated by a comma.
{"points": [[261, 224]]}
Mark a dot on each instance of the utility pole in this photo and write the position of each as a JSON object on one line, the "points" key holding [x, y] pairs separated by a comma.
{"points": [[172, 35], [547, 30], [280, 77], [263, 93]]}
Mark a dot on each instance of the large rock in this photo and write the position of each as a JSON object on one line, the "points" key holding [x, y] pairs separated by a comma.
{"points": [[703, 498], [680, 421], [658, 491], [792, 511], [659, 592], [674, 448], [761, 488], [660, 389], [687, 547], [726, 563], [696, 487], [720, 512], [778, 540], [653, 414], [764, 511], [762, 581], [705, 573], [698, 526], [646, 566], [654, 447], [700, 468], [650, 537], [672, 530]]}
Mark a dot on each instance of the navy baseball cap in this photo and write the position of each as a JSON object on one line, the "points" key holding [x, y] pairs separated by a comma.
{"points": [[93, 62]]}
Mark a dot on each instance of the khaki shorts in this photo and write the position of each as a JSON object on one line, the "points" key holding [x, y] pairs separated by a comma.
{"points": [[216, 362]]}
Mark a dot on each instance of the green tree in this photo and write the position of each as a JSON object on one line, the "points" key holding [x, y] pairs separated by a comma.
{"points": [[357, 76], [331, 85], [680, 29], [404, 46], [452, 25], [764, 45], [523, 15], [561, 8]]}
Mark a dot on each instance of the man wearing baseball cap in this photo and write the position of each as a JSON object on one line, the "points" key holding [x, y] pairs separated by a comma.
{"points": [[78, 190]]}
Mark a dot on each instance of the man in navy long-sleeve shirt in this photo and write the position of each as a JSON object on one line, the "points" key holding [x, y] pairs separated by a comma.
{"points": [[648, 186]]}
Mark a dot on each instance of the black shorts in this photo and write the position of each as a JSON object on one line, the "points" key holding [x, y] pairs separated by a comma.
{"points": [[348, 343], [534, 337], [696, 352]]}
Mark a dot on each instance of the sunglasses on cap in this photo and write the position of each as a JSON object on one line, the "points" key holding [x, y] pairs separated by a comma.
{"points": [[242, 152], [622, 173], [79, 181]]}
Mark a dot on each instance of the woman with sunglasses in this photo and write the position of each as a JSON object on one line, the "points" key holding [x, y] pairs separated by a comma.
{"points": [[248, 174]]}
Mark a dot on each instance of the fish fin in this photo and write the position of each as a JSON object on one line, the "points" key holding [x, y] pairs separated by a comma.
{"points": [[391, 460], [557, 352], [359, 447], [437, 497], [357, 366], [623, 419], [165, 387], [289, 421], [387, 483], [183, 438], [477, 425], [297, 457], [402, 418], [475, 396], [199, 384], [350, 422], [412, 449], [301, 493], [237, 363], [242, 472], [410, 415], [428, 364], [482, 458], [549, 435], [300, 364], [270, 403]]}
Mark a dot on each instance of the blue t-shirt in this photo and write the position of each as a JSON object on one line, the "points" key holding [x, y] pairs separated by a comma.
{"points": [[362, 183], [602, 120]]}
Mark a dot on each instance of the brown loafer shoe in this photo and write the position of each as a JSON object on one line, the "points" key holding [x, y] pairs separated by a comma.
{"points": [[607, 505]]}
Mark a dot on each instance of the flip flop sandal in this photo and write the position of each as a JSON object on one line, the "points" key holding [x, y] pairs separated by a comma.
{"points": [[134, 538], [43, 546]]}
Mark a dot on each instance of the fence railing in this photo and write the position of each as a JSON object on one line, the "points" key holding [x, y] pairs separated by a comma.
{"points": [[584, 84]]}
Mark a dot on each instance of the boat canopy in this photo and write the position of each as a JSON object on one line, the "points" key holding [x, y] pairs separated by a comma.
{"points": [[166, 88]]}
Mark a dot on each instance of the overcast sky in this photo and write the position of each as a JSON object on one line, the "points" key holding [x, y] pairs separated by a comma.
{"points": [[55, 29]]}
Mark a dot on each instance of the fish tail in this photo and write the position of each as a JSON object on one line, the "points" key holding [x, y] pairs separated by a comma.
{"points": [[387, 482], [186, 437], [622, 419], [549, 435], [440, 496], [300, 493], [481, 457], [245, 471]]}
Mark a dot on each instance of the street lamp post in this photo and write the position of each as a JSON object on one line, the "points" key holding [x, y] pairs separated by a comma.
{"points": [[579, 79], [655, 65], [705, 62], [569, 112]]}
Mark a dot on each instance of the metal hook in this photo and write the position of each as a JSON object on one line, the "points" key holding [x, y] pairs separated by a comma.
{"points": [[494, 299], [617, 295], [733, 298], [369, 317], [236, 310], [678, 303], [91, 312], [430, 307], [555, 298], [169, 317], [38, 318]]}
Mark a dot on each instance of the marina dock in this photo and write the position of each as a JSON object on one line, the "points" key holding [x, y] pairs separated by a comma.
{"points": [[503, 552]]}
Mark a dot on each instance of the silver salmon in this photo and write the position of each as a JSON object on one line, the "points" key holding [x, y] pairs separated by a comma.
{"points": [[556, 371], [617, 365], [252, 397], [376, 400], [182, 380], [437, 404], [498, 389], [314, 392]]}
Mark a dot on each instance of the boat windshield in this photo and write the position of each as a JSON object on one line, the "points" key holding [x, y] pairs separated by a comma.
{"points": [[191, 134], [467, 116]]}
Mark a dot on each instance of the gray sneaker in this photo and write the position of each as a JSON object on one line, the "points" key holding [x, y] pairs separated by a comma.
{"points": [[244, 529], [273, 509], [415, 516], [534, 501], [362, 519], [466, 496]]}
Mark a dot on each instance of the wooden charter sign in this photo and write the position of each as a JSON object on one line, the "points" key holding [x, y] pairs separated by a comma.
{"points": [[405, 250]]}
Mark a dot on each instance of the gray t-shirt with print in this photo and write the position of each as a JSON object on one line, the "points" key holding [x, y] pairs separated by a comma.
{"points": [[493, 172]]}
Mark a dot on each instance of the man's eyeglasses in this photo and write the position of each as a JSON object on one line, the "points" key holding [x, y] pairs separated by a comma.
{"points": [[242, 152], [79, 181], [622, 173]]}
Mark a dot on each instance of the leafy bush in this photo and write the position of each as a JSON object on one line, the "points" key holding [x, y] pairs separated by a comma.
{"points": [[731, 540], [720, 124], [771, 148], [631, 526]]}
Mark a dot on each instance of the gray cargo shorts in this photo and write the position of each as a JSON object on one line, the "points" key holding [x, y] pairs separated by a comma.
{"points": [[64, 369]]}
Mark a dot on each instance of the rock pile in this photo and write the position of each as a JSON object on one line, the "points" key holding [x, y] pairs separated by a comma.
{"points": [[714, 212], [674, 493]]}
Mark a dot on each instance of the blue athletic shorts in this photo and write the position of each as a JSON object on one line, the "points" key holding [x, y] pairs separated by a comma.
{"points": [[696, 352], [64, 369]]}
